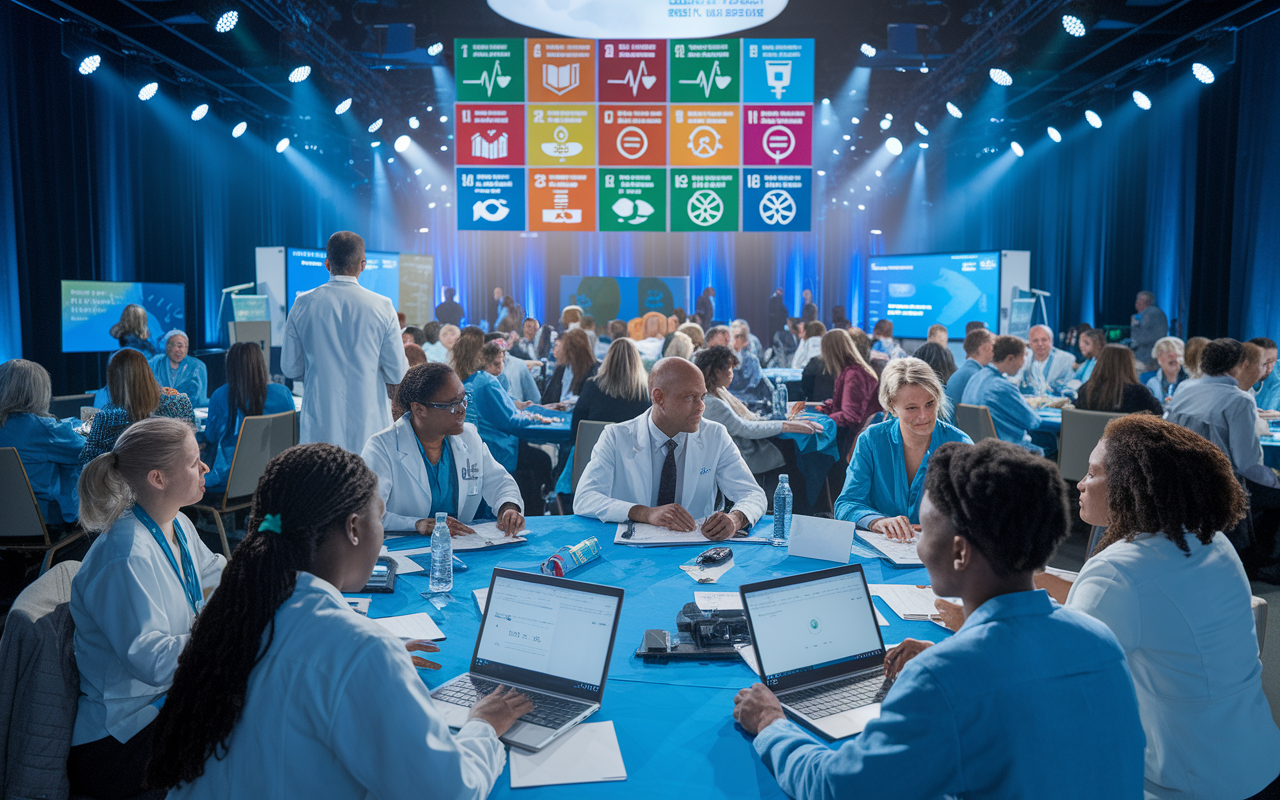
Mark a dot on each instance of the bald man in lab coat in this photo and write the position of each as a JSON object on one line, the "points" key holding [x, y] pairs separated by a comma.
{"points": [[343, 341]]}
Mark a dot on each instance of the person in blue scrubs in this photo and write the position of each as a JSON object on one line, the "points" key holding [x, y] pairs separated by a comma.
{"points": [[181, 372], [977, 351], [247, 393], [991, 387], [885, 480], [49, 448], [954, 722]]}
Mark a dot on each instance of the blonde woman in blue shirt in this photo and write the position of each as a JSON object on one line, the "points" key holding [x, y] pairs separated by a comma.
{"points": [[885, 481]]}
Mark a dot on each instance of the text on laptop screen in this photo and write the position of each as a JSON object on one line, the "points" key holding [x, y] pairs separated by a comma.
{"points": [[548, 629], [815, 624]]}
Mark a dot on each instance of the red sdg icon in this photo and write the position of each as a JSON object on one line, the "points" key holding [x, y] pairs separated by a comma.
{"points": [[633, 135], [632, 142]]}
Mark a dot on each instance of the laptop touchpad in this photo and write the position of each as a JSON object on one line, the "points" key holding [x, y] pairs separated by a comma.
{"points": [[852, 721], [526, 734]]}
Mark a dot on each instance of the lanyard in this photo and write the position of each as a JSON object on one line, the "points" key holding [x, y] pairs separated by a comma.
{"points": [[186, 575]]}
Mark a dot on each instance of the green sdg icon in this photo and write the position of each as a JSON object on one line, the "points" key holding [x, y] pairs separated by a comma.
{"points": [[704, 200], [632, 200], [489, 70]]}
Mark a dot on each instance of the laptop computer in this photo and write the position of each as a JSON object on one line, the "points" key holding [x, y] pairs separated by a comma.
{"points": [[819, 647], [551, 638]]}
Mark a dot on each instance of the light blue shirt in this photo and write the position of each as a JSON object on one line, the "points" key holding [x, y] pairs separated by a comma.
{"points": [[50, 453], [1219, 410], [222, 432], [1028, 699], [960, 379], [748, 384], [518, 380], [443, 482], [191, 377], [436, 353], [876, 484], [1268, 392], [496, 418], [1162, 389], [1086, 369], [1009, 411]]}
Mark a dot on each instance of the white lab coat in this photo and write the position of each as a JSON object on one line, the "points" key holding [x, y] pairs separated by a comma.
{"points": [[132, 620], [620, 473], [343, 341], [336, 711], [394, 457]]}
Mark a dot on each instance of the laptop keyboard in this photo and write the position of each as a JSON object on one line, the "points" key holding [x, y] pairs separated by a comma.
{"points": [[548, 710], [817, 702]]}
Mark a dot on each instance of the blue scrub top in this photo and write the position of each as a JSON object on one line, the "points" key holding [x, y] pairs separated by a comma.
{"points": [[876, 485], [191, 377], [959, 380], [50, 453], [442, 481], [222, 433], [1268, 392], [1009, 411], [496, 418]]}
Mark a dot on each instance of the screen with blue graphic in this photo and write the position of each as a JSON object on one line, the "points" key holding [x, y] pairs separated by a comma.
{"points": [[90, 308], [916, 291], [304, 270], [623, 298]]}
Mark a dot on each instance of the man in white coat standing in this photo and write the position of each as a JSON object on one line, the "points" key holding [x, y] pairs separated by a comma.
{"points": [[343, 341], [664, 466]]}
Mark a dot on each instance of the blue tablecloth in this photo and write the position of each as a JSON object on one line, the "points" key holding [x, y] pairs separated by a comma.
{"points": [[816, 452], [556, 433], [674, 721], [1271, 446], [1050, 420]]}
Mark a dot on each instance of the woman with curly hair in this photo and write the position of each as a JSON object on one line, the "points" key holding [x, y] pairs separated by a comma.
{"points": [[283, 691]]}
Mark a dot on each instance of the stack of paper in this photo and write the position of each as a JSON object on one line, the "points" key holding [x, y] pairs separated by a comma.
{"points": [[412, 626], [643, 534], [588, 753], [895, 551], [908, 602]]}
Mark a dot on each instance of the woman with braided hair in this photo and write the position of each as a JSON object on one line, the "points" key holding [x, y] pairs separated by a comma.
{"points": [[1027, 699], [285, 691], [138, 591]]}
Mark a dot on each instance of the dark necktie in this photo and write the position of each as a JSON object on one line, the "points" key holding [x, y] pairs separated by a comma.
{"points": [[667, 483]]}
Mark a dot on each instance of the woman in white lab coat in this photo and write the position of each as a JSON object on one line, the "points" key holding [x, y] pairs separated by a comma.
{"points": [[135, 598], [292, 692], [432, 460]]}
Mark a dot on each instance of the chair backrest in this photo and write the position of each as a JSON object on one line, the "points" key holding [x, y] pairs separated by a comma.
{"points": [[18, 506], [68, 405], [975, 421], [1260, 621], [1081, 431], [261, 439], [589, 432]]}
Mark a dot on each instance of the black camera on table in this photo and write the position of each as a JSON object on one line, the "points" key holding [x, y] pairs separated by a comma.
{"points": [[699, 636]]}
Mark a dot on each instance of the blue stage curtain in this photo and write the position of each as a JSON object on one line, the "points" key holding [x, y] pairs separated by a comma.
{"points": [[10, 305]]}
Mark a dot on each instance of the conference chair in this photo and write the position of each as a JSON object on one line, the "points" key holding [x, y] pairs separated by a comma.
{"points": [[68, 405], [975, 421], [261, 439], [589, 432], [1081, 432], [25, 529]]}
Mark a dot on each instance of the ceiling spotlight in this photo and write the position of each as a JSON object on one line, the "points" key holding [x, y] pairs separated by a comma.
{"points": [[888, 116], [861, 207], [444, 147], [402, 144], [418, 171], [435, 49], [443, 119], [868, 50], [423, 230], [922, 129], [1001, 77], [877, 232], [855, 120], [375, 143], [893, 145], [879, 173], [1093, 119], [300, 74], [1141, 101], [377, 123], [227, 21], [884, 124], [413, 123], [826, 101], [1073, 25], [239, 130], [199, 112], [954, 111], [924, 69], [91, 63], [924, 145], [1201, 71], [282, 145], [149, 91], [1016, 148], [1054, 135], [343, 107]]}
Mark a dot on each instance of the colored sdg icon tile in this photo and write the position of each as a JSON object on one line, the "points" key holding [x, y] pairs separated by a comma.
{"points": [[562, 135], [490, 199], [704, 136], [489, 134], [777, 200], [633, 135], [562, 70], [704, 200], [632, 70], [633, 200], [705, 70], [489, 70], [562, 199], [777, 135]]}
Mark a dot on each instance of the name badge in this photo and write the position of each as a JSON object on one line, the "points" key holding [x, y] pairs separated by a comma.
{"points": [[471, 474]]}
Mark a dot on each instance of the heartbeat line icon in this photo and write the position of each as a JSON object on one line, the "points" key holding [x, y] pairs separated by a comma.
{"points": [[641, 76], [705, 80], [488, 81]]}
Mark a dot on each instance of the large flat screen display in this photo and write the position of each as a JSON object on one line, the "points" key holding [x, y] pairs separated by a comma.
{"points": [[304, 271], [916, 291], [90, 308]]}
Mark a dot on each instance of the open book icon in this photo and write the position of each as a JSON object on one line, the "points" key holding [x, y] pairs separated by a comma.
{"points": [[560, 79]]}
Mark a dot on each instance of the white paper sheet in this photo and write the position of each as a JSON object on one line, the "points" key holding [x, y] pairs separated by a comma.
{"points": [[718, 601], [487, 534], [360, 605], [908, 601], [707, 574], [482, 599], [587, 754], [404, 564], [413, 626], [647, 535], [822, 539], [895, 551]]}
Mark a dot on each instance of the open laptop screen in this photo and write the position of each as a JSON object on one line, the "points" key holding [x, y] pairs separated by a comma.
{"points": [[812, 627], [553, 634]]}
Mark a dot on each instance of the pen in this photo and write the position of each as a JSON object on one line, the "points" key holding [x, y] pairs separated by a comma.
{"points": [[459, 565], [631, 529]]}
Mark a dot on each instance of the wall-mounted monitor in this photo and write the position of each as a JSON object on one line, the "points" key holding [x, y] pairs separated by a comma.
{"points": [[916, 291], [91, 308]]}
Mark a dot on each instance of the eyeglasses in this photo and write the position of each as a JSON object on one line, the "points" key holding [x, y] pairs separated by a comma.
{"points": [[456, 407]]}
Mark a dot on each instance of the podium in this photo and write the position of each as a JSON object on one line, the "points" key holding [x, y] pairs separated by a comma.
{"points": [[252, 331]]}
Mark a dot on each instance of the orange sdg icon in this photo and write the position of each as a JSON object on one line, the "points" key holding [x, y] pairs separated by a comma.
{"points": [[704, 136], [562, 200]]}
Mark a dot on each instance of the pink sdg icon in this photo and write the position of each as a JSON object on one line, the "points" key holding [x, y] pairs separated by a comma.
{"points": [[778, 142]]}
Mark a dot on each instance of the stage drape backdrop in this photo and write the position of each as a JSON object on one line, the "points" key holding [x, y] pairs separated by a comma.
{"points": [[96, 185]]}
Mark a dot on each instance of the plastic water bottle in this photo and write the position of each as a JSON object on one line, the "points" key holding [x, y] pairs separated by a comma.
{"points": [[442, 555], [779, 399], [781, 513]]}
